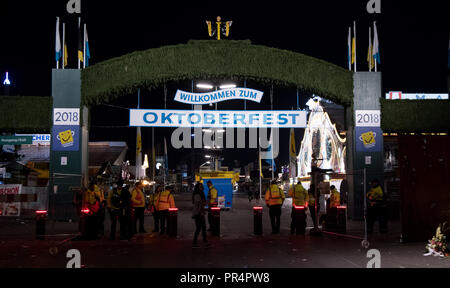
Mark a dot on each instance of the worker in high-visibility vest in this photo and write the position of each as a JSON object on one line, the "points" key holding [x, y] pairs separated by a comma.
{"points": [[212, 201], [164, 201], [91, 198], [274, 200], [300, 197], [138, 204], [375, 205], [331, 216], [335, 199]]}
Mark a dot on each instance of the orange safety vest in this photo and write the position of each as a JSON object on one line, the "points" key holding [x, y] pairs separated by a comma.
{"points": [[164, 201], [137, 197], [274, 196]]}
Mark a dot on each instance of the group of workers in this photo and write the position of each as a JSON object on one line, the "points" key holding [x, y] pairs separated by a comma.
{"points": [[128, 208], [125, 207], [303, 199]]}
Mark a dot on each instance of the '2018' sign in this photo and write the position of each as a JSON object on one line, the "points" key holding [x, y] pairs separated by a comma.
{"points": [[66, 116], [367, 118]]}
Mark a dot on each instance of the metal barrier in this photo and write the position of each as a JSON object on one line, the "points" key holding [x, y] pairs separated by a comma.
{"points": [[41, 219], [257, 220], [215, 221], [172, 222], [299, 219]]}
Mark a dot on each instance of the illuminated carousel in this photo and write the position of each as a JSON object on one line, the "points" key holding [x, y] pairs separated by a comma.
{"points": [[321, 143]]}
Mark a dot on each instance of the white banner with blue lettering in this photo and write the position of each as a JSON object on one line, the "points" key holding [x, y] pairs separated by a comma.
{"points": [[218, 96], [217, 119]]}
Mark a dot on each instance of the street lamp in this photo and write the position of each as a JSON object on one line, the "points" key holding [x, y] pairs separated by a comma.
{"points": [[207, 162], [6, 81], [204, 86], [227, 86]]}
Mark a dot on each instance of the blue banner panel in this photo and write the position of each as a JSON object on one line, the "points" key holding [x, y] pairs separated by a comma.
{"points": [[224, 190], [66, 138], [369, 139]]}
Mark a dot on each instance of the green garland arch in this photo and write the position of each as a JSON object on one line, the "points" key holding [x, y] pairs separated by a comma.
{"points": [[415, 116], [25, 114], [212, 59]]}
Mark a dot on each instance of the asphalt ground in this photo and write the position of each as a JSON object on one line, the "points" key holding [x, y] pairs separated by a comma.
{"points": [[237, 246]]}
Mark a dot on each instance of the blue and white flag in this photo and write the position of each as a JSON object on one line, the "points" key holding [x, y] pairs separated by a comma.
{"points": [[87, 53], [349, 52], [271, 161], [58, 51], [376, 49]]}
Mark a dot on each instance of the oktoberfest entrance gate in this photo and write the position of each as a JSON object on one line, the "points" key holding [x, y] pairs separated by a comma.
{"points": [[73, 91]]}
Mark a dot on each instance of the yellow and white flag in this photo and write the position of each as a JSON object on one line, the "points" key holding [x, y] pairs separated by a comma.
{"points": [[353, 50], [66, 55], [370, 59]]}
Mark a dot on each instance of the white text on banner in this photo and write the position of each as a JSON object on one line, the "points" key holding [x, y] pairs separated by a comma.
{"points": [[217, 119]]}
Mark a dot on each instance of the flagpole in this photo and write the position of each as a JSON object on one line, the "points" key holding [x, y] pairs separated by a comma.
{"points": [[64, 45], [164, 161], [374, 29], [370, 49], [271, 130], [79, 27], [260, 172], [354, 31], [153, 165], [138, 145]]}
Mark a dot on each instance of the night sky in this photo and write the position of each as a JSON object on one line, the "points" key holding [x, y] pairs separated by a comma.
{"points": [[414, 41]]}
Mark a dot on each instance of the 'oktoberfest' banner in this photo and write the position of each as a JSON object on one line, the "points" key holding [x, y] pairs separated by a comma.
{"points": [[217, 118]]}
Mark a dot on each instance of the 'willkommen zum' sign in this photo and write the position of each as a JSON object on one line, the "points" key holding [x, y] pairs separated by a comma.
{"points": [[217, 119], [218, 96]]}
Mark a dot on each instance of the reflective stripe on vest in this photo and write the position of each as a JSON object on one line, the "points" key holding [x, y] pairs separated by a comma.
{"points": [[278, 192], [167, 197]]}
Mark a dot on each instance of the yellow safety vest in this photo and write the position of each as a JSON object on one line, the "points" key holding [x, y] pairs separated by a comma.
{"points": [[212, 196], [299, 195], [90, 197], [335, 199], [274, 196], [164, 201], [375, 194], [137, 198], [99, 193]]}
